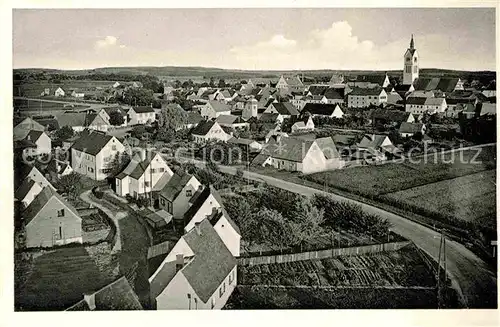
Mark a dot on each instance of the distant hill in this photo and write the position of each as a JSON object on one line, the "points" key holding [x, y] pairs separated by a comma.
{"points": [[207, 72]]}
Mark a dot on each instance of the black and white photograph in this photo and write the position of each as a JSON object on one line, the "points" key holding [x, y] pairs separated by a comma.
{"points": [[253, 158]]}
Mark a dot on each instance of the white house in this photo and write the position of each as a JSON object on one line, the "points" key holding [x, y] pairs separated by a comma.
{"points": [[59, 92], [375, 147], [364, 97], [303, 125], [213, 109], [141, 175], [107, 112], [291, 84], [92, 153], [420, 105], [292, 154], [410, 129], [209, 130], [250, 109], [207, 203], [175, 197], [41, 140], [141, 115], [198, 273], [76, 94]]}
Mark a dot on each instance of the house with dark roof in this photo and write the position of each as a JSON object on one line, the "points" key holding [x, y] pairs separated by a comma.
{"points": [[92, 153], [75, 120], [365, 97], [246, 144], [39, 141], [335, 95], [209, 130], [30, 172], [285, 109], [292, 154], [199, 272], [410, 129], [58, 168], [231, 121], [27, 191], [176, 195], [213, 109], [140, 177], [141, 115], [390, 116], [443, 84], [375, 147], [50, 220], [118, 295], [323, 110], [207, 203], [369, 81]]}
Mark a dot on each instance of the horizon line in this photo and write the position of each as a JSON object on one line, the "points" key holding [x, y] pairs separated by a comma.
{"points": [[245, 70]]}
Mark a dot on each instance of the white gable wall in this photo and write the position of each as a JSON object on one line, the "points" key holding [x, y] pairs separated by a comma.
{"points": [[206, 209], [228, 235]]}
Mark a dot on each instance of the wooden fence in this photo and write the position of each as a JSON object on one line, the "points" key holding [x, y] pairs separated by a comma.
{"points": [[322, 254]]}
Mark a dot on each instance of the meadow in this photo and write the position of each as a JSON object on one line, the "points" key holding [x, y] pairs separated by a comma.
{"points": [[470, 198], [34, 89]]}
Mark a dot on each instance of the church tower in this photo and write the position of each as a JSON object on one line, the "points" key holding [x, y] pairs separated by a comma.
{"points": [[410, 72]]}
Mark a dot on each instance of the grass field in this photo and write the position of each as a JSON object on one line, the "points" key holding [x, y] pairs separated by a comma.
{"points": [[393, 177], [58, 280], [455, 184], [36, 88], [469, 198], [43, 106]]}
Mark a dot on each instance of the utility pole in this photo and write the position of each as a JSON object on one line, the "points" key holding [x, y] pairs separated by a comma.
{"points": [[442, 249]]}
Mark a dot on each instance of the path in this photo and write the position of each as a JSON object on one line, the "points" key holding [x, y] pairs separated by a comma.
{"points": [[85, 196]]}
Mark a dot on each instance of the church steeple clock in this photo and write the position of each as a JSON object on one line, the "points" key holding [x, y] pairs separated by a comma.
{"points": [[410, 70]]}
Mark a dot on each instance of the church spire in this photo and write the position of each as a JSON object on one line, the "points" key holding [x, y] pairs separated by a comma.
{"points": [[412, 44]]}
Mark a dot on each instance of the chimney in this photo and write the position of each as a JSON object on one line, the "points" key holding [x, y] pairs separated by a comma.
{"points": [[200, 187], [179, 262], [90, 299], [197, 227], [142, 153]]}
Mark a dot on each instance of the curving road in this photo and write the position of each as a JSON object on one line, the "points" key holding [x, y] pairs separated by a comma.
{"points": [[470, 276]]}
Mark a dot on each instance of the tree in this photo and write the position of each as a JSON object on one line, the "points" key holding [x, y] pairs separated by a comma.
{"points": [[211, 83], [221, 83], [116, 119], [165, 135], [70, 184], [64, 133], [118, 163], [172, 117], [138, 131], [306, 222], [138, 97]]}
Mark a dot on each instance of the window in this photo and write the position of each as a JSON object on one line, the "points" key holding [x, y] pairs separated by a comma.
{"points": [[162, 170], [221, 292], [153, 170], [162, 202], [169, 207], [231, 278], [113, 147], [60, 232], [60, 213], [146, 184], [189, 193], [195, 303], [189, 300], [213, 302]]}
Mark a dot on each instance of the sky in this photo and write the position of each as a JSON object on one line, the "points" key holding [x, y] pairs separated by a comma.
{"points": [[254, 39]]}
